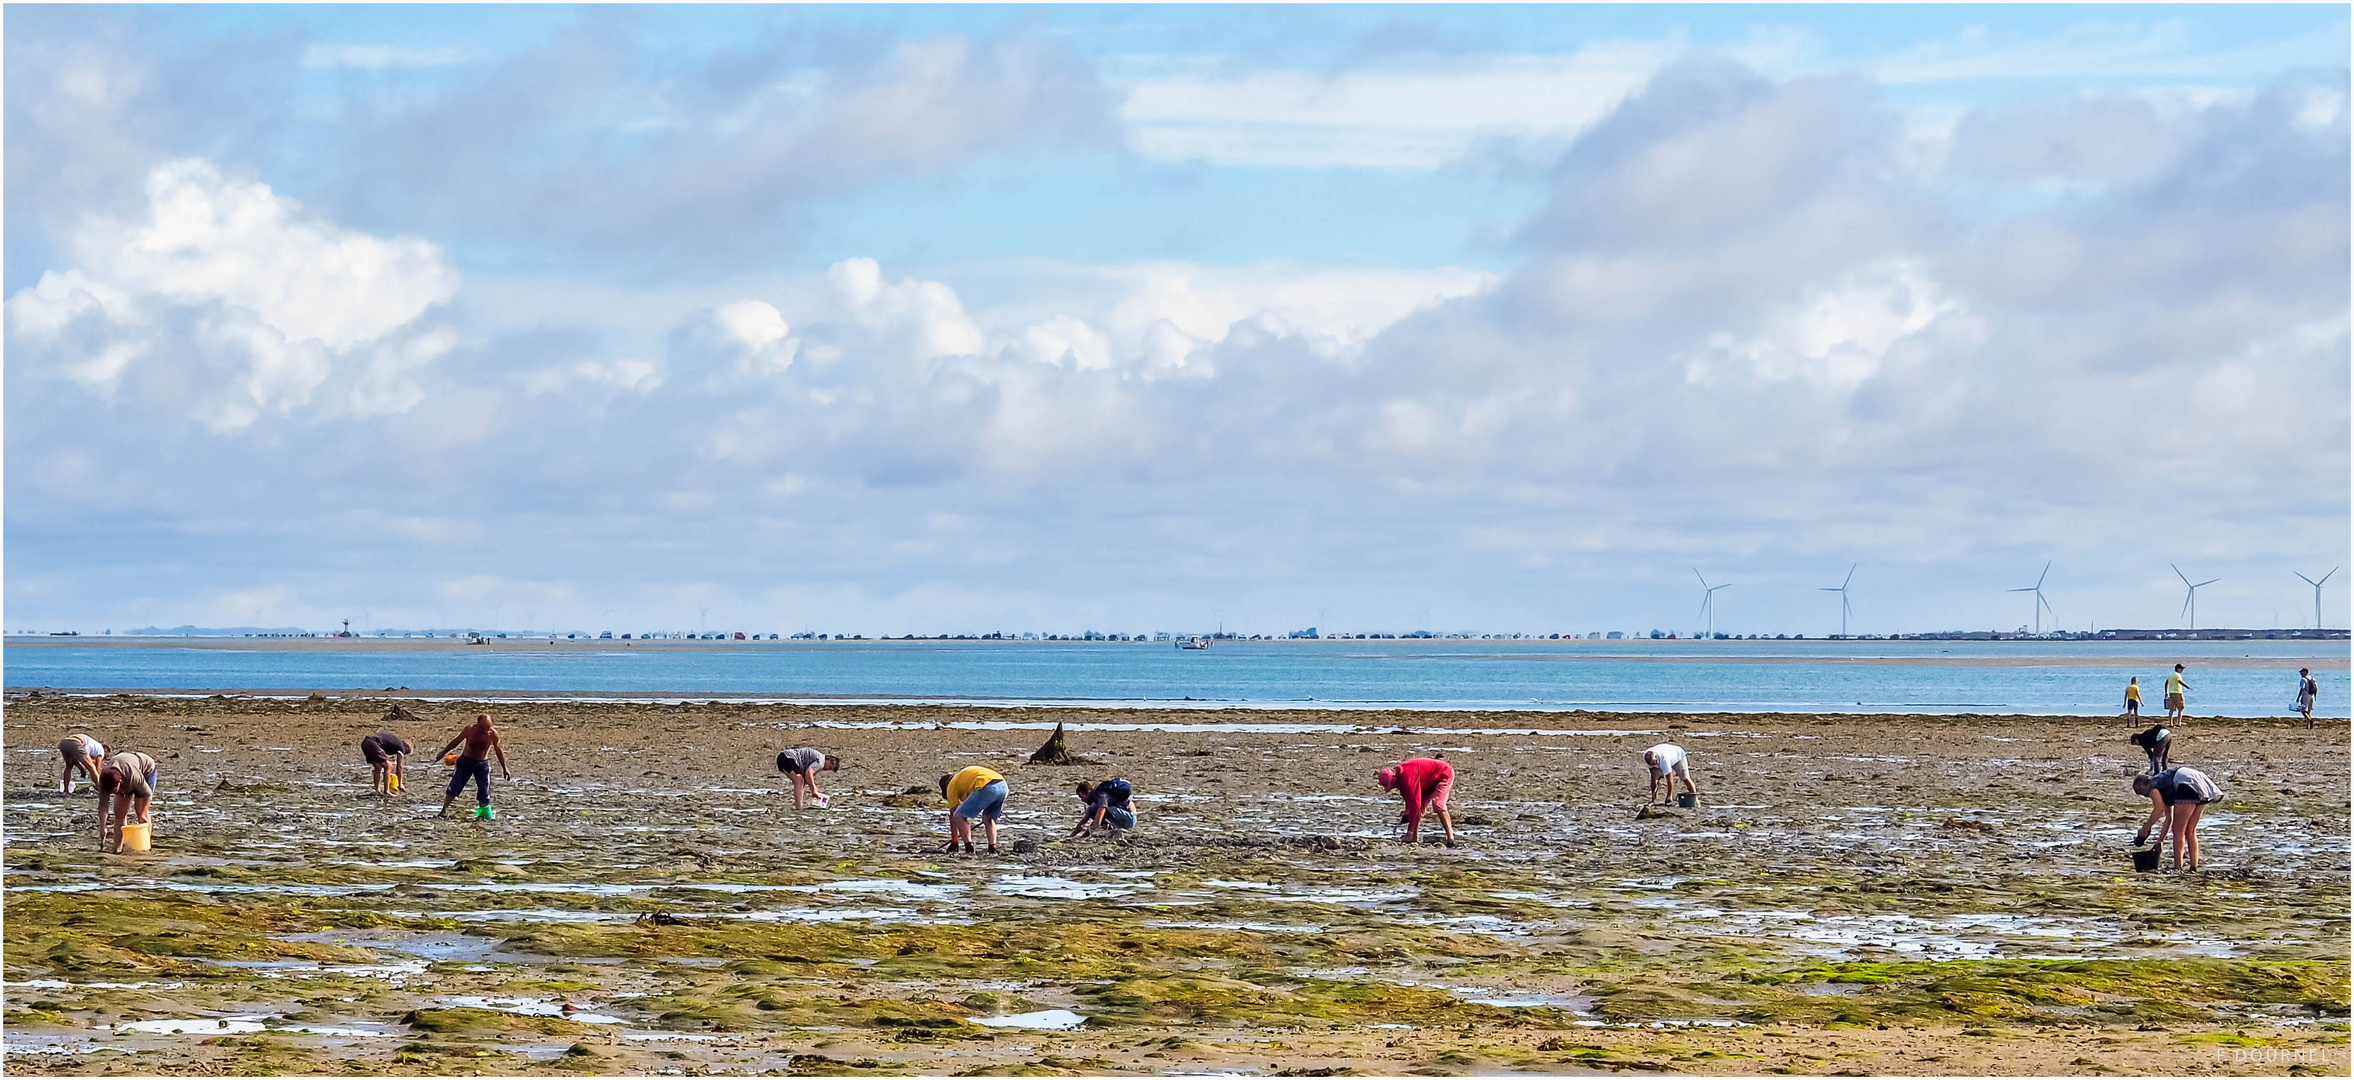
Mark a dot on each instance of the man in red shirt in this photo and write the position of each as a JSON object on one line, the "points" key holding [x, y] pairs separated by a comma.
{"points": [[1424, 782]]}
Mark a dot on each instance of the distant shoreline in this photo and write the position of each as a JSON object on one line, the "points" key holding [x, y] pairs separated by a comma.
{"points": [[2068, 654]]}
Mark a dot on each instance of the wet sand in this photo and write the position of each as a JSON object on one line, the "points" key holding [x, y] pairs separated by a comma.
{"points": [[1902, 895]]}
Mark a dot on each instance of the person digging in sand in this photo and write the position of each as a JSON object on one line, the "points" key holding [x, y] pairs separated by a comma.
{"points": [[802, 764], [388, 761], [126, 784], [1108, 806], [1424, 784], [2178, 798], [977, 791], [82, 754], [481, 740], [1667, 762], [2158, 743]]}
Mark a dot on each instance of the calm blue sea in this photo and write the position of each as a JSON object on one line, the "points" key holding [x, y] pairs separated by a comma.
{"points": [[2025, 677]]}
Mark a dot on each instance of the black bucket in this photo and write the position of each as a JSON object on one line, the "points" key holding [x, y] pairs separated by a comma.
{"points": [[1688, 799], [2145, 859]]}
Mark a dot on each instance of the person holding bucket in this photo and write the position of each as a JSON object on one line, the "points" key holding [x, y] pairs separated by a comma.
{"points": [[802, 764], [126, 785], [2175, 689], [388, 758], [976, 791], [473, 763], [1666, 762], [2178, 797], [1424, 783]]}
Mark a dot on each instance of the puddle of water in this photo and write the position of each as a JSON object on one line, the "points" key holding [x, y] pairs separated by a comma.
{"points": [[61, 984], [1516, 999], [528, 1007], [912, 890], [227, 1025], [1043, 1020], [1259, 927], [1056, 888], [665, 1036]]}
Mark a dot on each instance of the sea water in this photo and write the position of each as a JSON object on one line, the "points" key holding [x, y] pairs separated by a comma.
{"points": [[2076, 677]]}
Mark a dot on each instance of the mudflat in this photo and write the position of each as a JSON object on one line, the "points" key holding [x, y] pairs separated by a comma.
{"points": [[1853, 894]]}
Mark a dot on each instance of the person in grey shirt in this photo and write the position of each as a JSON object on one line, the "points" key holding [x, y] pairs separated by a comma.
{"points": [[802, 764]]}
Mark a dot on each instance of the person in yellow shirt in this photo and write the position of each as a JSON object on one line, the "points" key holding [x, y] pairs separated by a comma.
{"points": [[2175, 688], [2133, 696], [976, 792]]}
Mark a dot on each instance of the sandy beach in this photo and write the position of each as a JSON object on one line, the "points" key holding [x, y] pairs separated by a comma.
{"points": [[1854, 894]]}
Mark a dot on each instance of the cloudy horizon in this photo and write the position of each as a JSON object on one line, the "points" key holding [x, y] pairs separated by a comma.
{"points": [[953, 320]]}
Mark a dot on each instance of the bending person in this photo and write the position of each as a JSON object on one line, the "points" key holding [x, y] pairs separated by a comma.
{"points": [[802, 764], [126, 786], [2178, 798], [1667, 761], [1107, 806], [481, 739], [2158, 743], [977, 791], [81, 754], [388, 759], [1424, 783]]}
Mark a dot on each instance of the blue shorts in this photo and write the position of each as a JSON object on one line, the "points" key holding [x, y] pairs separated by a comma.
{"points": [[1119, 817], [987, 801]]}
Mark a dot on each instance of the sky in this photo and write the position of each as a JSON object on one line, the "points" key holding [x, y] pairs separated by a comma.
{"points": [[938, 319]]}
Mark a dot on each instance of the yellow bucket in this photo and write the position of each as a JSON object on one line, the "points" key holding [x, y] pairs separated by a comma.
{"points": [[394, 782], [138, 836]]}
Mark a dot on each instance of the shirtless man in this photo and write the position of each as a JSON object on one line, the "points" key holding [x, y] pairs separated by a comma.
{"points": [[126, 784], [388, 758], [82, 754], [482, 741]]}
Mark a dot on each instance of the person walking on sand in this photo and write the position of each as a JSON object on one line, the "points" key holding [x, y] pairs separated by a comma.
{"points": [[126, 785], [2175, 687], [2178, 798], [1108, 806], [976, 791], [81, 754], [481, 739], [1425, 784], [802, 764], [2307, 690], [388, 761], [2133, 696], [1666, 762]]}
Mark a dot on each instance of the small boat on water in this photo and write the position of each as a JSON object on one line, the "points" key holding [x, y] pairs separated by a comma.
{"points": [[1193, 643]]}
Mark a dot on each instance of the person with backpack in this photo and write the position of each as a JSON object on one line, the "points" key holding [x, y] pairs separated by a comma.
{"points": [[2307, 690], [1108, 806]]}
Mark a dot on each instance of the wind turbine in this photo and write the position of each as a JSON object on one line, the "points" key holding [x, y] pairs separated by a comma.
{"points": [[2316, 593], [2041, 605], [1708, 600], [2190, 603], [1842, 591]]}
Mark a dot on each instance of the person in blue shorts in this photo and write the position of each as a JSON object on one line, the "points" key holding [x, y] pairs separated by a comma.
{"points": [[1108, 806], [976, 791]]}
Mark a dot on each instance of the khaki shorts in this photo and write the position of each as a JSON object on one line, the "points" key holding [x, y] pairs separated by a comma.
{"points": [[2174, 702]]}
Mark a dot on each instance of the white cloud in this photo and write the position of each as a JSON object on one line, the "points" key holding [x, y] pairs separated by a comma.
{"points": [[926, 314], [1397, 115], [267, 304]]}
